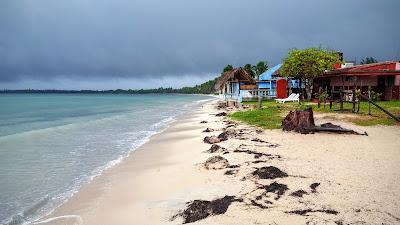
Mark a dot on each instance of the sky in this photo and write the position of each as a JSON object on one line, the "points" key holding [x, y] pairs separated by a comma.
{"points": [[109, 44]]}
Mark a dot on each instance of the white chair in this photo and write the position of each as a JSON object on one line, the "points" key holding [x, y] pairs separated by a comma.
{"points": [[292, 98]]}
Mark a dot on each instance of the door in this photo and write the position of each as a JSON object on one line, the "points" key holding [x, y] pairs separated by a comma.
{"points": [[281, 88], [381, 86]]}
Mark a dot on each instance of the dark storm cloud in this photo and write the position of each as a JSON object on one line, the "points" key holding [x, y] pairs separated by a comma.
{"points": [[46, 40]]}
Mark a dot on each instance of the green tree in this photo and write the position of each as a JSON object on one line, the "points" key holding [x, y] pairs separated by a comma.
{"points": [[261, 67], [368, 60], [249, 68], [308, 64], [227, 68]]}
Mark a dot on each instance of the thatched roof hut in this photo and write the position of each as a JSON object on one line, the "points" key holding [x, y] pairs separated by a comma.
{"points": [[239, 74]]}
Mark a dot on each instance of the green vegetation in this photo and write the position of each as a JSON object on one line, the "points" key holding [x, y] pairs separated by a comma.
{"points": [[249, 68], [261, 67], [268, 118], [256, 70], [272, 113], [308, 64], [227, 68], [204, 88]]}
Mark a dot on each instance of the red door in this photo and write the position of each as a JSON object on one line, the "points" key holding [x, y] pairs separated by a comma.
{"points": [[281, 88]]}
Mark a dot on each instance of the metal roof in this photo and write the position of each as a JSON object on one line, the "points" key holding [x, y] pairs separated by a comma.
{"points": [[267, 75]]}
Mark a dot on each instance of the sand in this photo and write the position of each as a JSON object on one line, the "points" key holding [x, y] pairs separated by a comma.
{"points": [[358, 177]]}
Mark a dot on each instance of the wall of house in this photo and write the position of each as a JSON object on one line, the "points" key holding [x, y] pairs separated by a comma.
{"points": [[266, 84], [397, 80], [361, 80]]}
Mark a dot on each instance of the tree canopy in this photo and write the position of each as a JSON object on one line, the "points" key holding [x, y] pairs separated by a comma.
{"points": [[308, 63], [261, 67], [227, 68], [249, 68], [204, 88], [368, 60]]}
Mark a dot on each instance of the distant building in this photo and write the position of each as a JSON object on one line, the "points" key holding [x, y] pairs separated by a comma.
{"points": [[271, 84], [383, 77], [232, 85], [238, 85]]}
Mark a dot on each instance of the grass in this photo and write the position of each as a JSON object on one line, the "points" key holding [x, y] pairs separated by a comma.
{"points": [[268, 118], [272, 113]]}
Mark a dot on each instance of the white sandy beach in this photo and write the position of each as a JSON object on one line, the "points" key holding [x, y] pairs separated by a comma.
{"points": [[358, 176]]}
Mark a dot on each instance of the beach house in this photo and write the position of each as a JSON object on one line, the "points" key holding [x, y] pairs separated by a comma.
{"points": [[233, 85], [238, 85], [271, 85], [383, 78]]}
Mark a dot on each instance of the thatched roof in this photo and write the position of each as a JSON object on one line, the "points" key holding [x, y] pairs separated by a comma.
{"points": [[240, 73]]}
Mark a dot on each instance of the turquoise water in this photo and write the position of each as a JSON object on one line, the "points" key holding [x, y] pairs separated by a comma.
{"points": [[50, 144]]}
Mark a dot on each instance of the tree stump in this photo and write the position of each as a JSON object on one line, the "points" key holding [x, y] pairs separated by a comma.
{"points": [[301, 121]]}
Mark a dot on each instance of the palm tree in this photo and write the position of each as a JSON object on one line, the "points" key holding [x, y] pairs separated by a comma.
{"points": [[249, 68], [261, 67], [227, 68]]}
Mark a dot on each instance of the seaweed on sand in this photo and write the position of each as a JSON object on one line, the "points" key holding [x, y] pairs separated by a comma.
{"points": [[257, 155], [241, 149], [304, 212], [227, 134], [201, 209], [216, 148], [231, 172], [269, 172], [207, 130], [269, 144], [211, 139], [314, 186], [221, 114], [299, 193], [216, 163], [277, 188]]}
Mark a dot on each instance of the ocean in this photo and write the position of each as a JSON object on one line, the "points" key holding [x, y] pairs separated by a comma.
{"points": [[51, 144]]}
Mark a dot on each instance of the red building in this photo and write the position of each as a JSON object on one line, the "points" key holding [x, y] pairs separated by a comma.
{"points": [[381, 77]]}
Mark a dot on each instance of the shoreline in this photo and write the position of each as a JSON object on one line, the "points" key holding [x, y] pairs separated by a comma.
{"points": [[49, 219], [156, 180], [162, 125]]}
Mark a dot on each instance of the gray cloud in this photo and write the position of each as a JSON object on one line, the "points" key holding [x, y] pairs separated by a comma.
{"points": [[90, 40]]}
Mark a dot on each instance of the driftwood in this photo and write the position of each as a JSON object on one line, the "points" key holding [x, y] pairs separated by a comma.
{"points": [[329, 127], [302, 121]]}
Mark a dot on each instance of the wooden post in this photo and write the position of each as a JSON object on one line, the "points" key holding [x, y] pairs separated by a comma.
{"points": [[341, 94], [354, 100], [369, 98], [341, 99], [259, 102], [327, 94], [379, 107]]}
